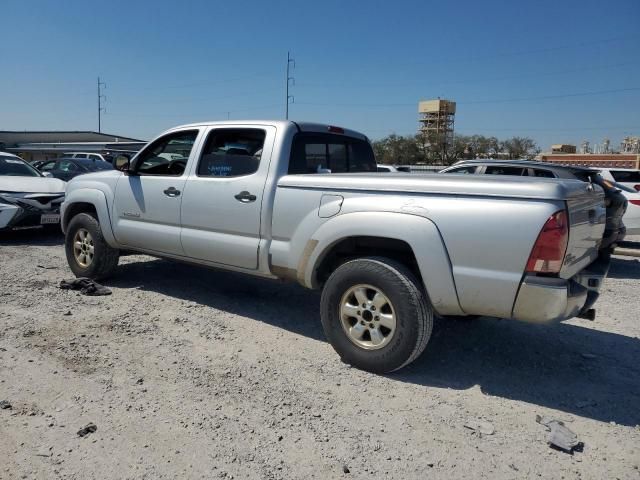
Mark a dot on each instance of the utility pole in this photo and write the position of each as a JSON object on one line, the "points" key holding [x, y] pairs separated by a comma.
{"points": [[101, 97], [290, 61]]}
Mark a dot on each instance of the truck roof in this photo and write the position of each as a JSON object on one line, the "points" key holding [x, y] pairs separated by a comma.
{"points": [[301, 126]]}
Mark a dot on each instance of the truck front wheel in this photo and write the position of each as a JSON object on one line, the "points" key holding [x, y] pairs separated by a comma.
{"points": [[88, 254], [375, 314]]}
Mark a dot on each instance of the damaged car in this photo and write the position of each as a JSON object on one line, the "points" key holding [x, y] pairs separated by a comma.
{"points": [[28, 198]]}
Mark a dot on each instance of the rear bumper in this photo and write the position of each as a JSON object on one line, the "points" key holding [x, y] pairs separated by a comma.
{"points": [[547, 299]]}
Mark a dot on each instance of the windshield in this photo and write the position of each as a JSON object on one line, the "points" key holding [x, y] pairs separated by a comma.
{"points": [[94, 165], [15, 167]]}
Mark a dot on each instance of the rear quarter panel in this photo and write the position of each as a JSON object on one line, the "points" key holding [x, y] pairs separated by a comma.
{"points": [[480, 243]]}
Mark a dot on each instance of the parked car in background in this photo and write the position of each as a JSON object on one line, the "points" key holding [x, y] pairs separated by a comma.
{"points": [[615, 201], [68, 168], [631, 217], [28, 198], [623, 176], [387, 168], [303, 202], [105, 157]]}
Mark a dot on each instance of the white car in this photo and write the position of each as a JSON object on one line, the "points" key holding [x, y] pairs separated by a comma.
{"points": [[90, 156], [631, 217], [622, 176], [28, 198]]}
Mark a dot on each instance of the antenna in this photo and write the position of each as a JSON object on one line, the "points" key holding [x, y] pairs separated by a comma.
{"points": [[101, 97], [290, 81]]}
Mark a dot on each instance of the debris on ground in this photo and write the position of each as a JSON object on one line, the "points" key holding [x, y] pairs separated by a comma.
{"points": [[87, 429], [345, 469], [480, 426], [5, 404], [560, 436], [85, 285], [68, 313]]}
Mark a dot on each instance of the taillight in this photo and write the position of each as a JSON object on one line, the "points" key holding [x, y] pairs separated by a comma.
{"points": [[548, 252], [637, 187], [635, 202], [334, 129]]}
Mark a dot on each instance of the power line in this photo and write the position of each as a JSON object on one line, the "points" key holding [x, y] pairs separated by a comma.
{"points": [[242, 94], [472, 102], [225, 113], [548, 97], [474, 80]]}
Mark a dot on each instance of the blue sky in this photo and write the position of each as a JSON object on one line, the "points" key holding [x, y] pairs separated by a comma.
{"points": [[558, 71]]}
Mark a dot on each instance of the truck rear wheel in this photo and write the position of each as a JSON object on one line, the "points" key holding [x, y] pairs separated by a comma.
{"points": [[375, 314], [88, 254]]}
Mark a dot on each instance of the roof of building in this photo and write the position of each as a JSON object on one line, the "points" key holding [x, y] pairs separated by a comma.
{"points": [[13, 137]]}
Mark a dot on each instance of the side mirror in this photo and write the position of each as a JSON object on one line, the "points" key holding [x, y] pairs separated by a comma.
{"points": [[121, 163]]}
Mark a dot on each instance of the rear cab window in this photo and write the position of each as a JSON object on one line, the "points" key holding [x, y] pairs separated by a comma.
{"points": [[317, 152]]}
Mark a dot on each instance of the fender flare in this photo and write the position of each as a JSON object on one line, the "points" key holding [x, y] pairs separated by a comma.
{"points": [[98, 199], [420, 233]]}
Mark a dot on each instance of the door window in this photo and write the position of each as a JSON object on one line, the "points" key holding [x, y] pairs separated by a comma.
{"points": [[625, 176], [543, 173], [463, 170], [231, 152], [48, 166], [67, 166], [80, 155], [503, 170], [167, 156]]}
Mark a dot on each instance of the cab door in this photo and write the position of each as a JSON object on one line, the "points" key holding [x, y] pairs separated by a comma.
{"points": [[222, 202], [148, 198]]}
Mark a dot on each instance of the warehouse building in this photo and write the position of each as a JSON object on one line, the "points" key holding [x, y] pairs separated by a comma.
{"points": [[43, 145]]}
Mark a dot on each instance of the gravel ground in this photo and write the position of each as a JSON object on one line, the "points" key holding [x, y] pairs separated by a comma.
{"points": [[193, 373]]}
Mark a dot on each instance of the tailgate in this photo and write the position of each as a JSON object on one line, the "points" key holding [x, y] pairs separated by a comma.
{"points": [[587, 219]]}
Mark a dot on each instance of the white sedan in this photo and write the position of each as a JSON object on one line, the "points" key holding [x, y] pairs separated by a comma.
{"points": [[28, 198], [631, 217], [622, 176]]}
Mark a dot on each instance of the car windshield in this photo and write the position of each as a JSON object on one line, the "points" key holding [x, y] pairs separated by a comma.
{"points": [[15, 167], [94, 165]]}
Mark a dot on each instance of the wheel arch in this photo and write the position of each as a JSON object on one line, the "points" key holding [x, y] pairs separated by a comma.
{"points": [[410, 239], [88, 201]]}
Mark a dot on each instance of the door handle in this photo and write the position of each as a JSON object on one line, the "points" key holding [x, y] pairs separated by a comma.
{"points": [[172, 192], [245, 197]]}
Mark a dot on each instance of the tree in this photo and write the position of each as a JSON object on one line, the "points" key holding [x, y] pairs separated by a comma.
{"points": [[519, 147], [399, 150]]}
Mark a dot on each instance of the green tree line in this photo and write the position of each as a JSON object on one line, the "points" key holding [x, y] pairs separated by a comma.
{"points": [[410, 150]]}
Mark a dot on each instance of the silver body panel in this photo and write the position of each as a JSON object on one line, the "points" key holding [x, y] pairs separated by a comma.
{"points": [[471, 236]]}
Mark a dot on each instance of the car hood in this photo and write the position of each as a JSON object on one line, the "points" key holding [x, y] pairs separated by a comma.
{"points": [[31, 184]]}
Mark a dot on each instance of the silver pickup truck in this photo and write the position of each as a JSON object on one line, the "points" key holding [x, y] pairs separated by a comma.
{"points": [[303, 202]]}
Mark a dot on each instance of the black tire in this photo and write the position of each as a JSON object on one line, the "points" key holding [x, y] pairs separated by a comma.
{"points": [[412, 312], [105, 258]]}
